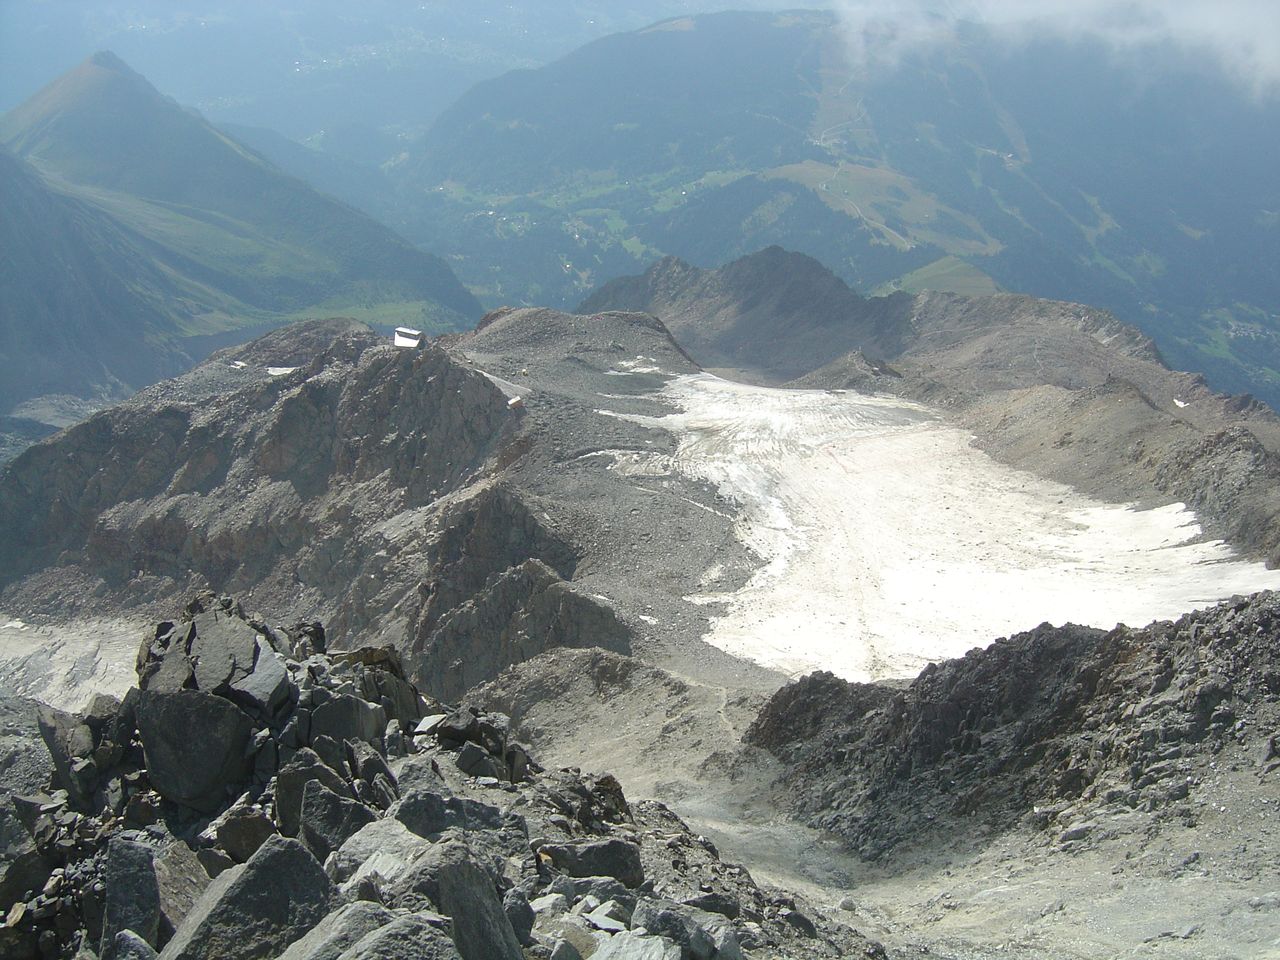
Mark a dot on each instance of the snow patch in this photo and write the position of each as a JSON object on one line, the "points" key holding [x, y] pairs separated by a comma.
{"points": [[887, 540]]}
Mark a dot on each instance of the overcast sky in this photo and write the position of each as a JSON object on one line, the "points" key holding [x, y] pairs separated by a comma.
{"points": [[1240, 36]]}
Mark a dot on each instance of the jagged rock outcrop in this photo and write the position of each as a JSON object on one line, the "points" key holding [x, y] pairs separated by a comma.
{"points": [[441, 837], [1034, 724], [315, 468]]}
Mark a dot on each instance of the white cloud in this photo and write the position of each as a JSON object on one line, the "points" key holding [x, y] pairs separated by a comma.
{"points": [[1241, 36]]}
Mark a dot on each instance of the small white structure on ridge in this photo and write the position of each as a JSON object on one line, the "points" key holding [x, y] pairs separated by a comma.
{"points": [[408, 337]]}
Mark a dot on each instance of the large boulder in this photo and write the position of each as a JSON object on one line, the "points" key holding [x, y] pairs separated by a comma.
{"points": [[268, 687], [449, 877], [127, 945], [328, 820], [615, 858], [700, 935], [414, 937], [254, 911], [347, 717], [631, 946], [291, 783], [385, 847], [180, 879], [428, 813], [196, 746], [132, 895], [70, 744], [339, 931]]}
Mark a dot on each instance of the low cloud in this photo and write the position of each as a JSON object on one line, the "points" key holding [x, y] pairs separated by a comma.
{"points": [[1241, 37]]}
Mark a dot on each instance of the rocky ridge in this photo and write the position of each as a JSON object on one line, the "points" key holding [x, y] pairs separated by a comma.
{"points": [[1063, 729], [258, 796], [317, 465]]}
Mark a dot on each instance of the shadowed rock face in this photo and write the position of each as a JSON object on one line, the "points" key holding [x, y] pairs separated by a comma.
{"points": [[1051, 716], [317, 462]]}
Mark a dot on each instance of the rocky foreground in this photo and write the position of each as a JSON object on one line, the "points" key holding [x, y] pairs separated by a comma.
{"points": [[256, 796]]}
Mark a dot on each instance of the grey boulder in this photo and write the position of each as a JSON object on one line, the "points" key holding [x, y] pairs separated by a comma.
{"points": [[127, 945], [291, 783], [132, 895], [339, 931], [615, 858], [415, 937], [631, 946], [449, 877], [195, 745], [329, 820], [254, 911]]}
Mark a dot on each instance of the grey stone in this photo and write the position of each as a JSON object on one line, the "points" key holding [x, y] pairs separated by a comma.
{"points": [[516, 906], [292, 781], [678, 924], [348, 717], [610, 916], [339, 931], [615, 858], [268, 687], [474, 760], [333, 754], [68, 741], [564, 950], [195, 745], [428, 725], [550, 905], [254, 911], [214, 861], [132, 899], [449, 877], [242, 830], [367, 763], [328, 820], [180, 879], [223, 649], [127, 945], [415, 937], [427, 813], [631, 946], [385, 847]]}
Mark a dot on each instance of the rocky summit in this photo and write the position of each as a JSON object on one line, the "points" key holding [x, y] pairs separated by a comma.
{"points": [[258, 796]]}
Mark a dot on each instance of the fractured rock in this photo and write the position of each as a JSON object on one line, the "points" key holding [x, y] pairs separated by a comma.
{"points": [[339, 931], [132, 895], [448, 876], [254, 911], [348, 717], [414, 937], [328, 820], [196, 746], [291, 782], [597, 858], [127, 945], [632, 946]]}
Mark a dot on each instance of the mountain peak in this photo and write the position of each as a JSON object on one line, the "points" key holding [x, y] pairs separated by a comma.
{"points": [[109, 61]]}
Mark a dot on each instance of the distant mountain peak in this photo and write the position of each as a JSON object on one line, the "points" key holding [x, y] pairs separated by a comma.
{"points": [[109, 61]]}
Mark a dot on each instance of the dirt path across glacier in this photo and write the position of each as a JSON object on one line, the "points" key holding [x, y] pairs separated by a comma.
{"points": [[887, 541]]}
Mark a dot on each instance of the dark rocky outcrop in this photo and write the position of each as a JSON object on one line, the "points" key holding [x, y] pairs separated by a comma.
{"points": [[256, 910], [425, 853], [1058, 717]]}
